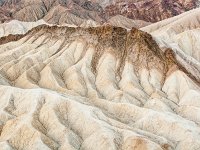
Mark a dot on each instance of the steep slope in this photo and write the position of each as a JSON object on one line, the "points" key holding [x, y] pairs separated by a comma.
{"points": [[180, 33], [95, 88], [178, 24]]}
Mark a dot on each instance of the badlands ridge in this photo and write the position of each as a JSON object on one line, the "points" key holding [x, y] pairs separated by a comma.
{"points": [[100, 88]]}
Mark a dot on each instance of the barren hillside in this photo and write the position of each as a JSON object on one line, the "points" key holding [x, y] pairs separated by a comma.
{"points": [[99, 75], [95, 88]]}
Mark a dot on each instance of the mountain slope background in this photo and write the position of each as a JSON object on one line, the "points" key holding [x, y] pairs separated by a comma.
{"points": [[76, 11]]}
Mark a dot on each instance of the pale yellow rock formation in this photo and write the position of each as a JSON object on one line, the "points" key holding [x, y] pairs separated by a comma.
{"points": [[101, 88]]}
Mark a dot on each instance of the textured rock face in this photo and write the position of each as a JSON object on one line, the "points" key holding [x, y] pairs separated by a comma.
{"points": [[77, 11], [181, 34], [150, 10], [95, 88]]}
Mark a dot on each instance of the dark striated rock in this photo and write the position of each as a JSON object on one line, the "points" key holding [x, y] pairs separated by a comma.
{"points": [[150, 10]]}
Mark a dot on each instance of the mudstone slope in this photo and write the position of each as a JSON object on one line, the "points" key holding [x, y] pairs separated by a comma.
{"points": [[95, 88]]}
